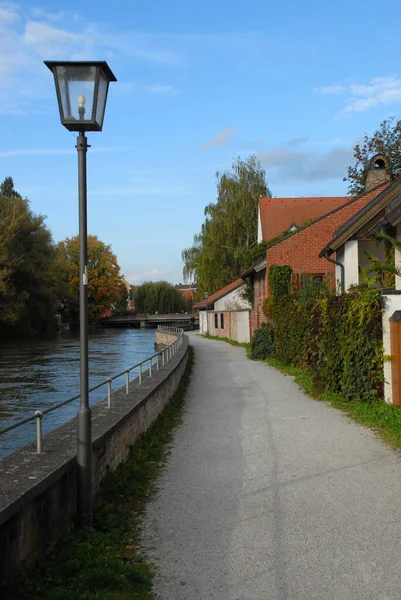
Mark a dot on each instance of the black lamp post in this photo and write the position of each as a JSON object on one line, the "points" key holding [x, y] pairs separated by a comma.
{"points": [[82, 93]]}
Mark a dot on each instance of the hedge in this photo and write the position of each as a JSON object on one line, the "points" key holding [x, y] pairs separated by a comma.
{"points": [[338, 337]]}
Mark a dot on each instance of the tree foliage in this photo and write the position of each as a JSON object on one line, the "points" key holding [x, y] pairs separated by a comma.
{"points": [[121, 304], [104, 277], [385, 140], [158, 297], [220, 252], [28, 284]]}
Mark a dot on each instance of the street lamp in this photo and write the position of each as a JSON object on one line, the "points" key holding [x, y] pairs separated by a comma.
{"points": [[81, 89], [206, 296]]}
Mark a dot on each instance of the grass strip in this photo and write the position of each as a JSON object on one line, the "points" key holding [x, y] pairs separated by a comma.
{"points": [[105, 561], [383, 418], [224, 339]]}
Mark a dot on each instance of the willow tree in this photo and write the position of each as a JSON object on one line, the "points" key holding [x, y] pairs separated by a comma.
{"points": [[220, 251], [158, 297]]}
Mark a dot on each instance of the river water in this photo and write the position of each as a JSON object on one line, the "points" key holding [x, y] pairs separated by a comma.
{"points": [[38, 373]]}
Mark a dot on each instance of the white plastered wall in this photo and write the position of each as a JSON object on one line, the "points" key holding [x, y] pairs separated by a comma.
{"points": [[232, 301], [243, 333], [392, 302], [202, 322], [260, 234], [351, 264]]}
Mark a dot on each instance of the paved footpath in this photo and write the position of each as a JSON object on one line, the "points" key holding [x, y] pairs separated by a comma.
{"points": [[269, 495]]}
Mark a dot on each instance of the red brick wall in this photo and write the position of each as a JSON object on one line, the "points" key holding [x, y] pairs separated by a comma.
{"points": [[259, 294], [301, 250]]}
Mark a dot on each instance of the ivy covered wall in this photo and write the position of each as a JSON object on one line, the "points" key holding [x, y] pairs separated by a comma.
{"points": [[339, 337]]}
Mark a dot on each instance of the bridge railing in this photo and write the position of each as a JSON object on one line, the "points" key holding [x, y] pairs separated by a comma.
{"points": [[156, 361]]}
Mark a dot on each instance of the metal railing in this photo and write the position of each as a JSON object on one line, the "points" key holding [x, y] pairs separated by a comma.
{"points": [[162, 356]]}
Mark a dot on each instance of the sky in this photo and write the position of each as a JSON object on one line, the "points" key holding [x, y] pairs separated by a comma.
{"points": [[198, 84]]}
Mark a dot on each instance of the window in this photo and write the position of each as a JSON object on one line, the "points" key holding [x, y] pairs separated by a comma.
{"points": [[222, 320], [216, 321]]}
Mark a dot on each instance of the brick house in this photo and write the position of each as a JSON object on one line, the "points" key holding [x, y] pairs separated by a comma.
{"points": [[301, 249]]}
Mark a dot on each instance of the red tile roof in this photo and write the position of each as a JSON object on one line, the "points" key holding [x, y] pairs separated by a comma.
{"points": [[278, 214], [219, 294]]}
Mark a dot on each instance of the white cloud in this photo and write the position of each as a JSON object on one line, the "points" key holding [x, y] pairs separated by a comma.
{"points": [[39, 13], [283, 164], [360, 98], [160, 89], [49, 40], [296, 141], [26, 39], [222, 138], [331, 89]]}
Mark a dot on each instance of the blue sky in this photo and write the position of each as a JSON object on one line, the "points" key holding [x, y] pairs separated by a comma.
{"points": [[296, 83]]}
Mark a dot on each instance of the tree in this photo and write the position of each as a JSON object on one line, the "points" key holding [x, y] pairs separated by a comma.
{"points": [[7, 189], [104, 278], [220, 251], [28, 297], [387, 141], [158, 297], [121, 305]]}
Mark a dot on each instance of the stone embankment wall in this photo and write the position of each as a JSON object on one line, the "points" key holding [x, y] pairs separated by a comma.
{"points": [[38, 495]]}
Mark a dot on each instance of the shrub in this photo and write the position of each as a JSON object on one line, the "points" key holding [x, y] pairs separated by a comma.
{"points": [[262, 344]]}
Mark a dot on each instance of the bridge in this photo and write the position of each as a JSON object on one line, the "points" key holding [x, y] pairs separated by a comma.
{"points": [[146, 321]]}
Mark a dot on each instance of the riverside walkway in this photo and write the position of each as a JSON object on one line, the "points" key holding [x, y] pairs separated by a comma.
{"points": [[270, 495]]}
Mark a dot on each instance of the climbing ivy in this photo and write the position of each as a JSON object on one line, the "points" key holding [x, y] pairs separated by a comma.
{"points": [[339, 338], [279, 280]]}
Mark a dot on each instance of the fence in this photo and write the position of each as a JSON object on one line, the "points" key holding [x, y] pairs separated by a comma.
{"points": [[163, 356]]}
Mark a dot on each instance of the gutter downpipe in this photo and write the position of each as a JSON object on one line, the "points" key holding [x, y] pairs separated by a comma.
{"points": [[335, 262]]}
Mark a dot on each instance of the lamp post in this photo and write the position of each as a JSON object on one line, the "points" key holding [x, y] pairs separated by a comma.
{"points": [[206, 296], [81, 89]]}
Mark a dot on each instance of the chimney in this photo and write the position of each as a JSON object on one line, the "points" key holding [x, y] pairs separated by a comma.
{"points": [[378, 172]]}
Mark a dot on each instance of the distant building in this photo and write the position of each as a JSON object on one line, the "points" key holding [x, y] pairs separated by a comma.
{"points": [[226, 313], [188, 290]]}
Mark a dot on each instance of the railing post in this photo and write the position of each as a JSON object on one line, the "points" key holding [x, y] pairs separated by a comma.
{"points": [[163, 357], [109, 392], [140, 374], [127, 381], [150, 367], [39, 417], [157, 361]]}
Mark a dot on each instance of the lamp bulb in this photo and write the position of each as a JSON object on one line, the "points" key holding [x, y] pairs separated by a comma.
{"points": [[81, 101]]}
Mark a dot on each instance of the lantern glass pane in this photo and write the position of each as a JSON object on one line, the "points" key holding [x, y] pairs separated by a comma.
{"points": [[101, 98], [77, 84]]}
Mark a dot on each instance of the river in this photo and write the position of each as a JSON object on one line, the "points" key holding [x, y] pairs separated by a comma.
{"points": [[38, 373]]}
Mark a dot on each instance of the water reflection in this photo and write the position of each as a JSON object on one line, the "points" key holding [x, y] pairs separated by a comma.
{"points": [[36, 374]]}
